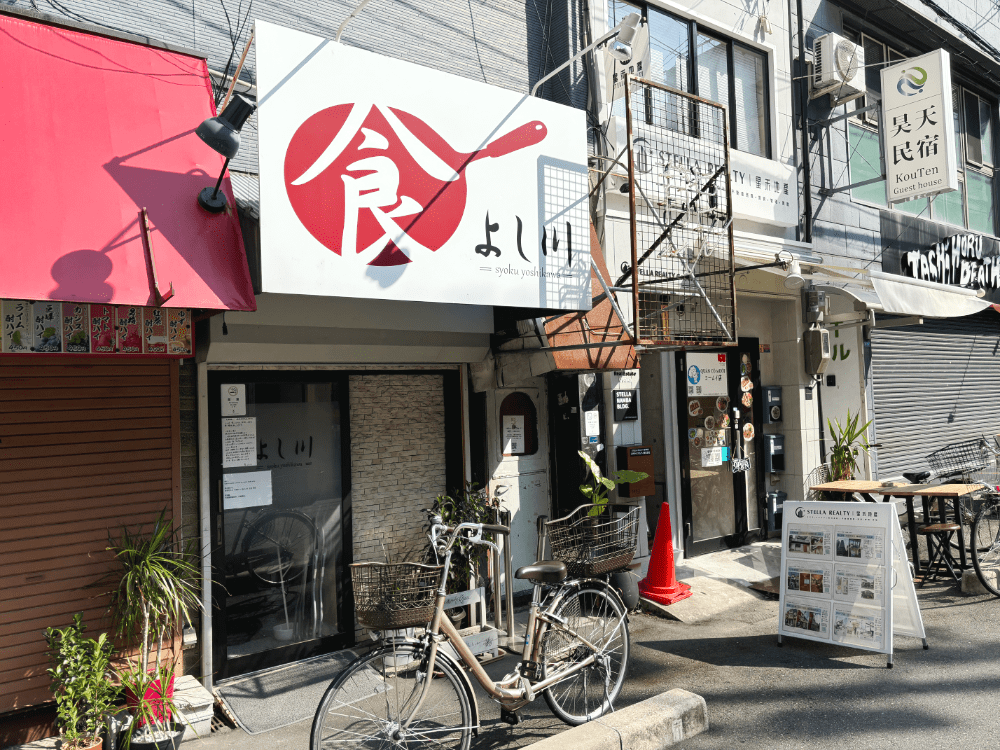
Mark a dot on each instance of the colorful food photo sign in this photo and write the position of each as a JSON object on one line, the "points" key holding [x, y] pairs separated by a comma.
{"points": [[383, 179], [66, 328]]}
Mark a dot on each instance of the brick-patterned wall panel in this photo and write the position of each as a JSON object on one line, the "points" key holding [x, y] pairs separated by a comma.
{"points": [[397, 462]]}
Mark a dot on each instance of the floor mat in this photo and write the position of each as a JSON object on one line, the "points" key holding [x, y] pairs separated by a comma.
{"points": [[279, 697]]}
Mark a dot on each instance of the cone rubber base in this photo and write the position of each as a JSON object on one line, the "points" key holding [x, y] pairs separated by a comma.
{"points": [[665, 595]]}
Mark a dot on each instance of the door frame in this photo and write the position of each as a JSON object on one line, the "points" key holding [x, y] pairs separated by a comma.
{"points": [[742, 534], [222, 665]]}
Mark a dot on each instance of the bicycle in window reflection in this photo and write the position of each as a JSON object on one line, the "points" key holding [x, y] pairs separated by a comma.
{"points": [[277, 546]]}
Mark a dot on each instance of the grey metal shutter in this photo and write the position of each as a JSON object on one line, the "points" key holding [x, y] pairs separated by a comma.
{"points": [[932, 385]]}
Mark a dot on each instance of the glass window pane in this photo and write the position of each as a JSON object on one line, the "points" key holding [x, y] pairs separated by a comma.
{"points": [[973, 147], [874, 61], [981, 216], [669, 50], [986, 131], [751, 108], [956, 103], [713, 70], [865, 164], [949, 207], [918, 207]]}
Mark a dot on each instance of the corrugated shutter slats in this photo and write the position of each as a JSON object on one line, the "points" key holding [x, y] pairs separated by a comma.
{"points": [[84, 447]]}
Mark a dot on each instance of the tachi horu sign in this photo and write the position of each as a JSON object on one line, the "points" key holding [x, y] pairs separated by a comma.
{"points": [[384, 179]]}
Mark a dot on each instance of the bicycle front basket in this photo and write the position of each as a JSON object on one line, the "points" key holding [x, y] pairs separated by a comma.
{"points": [[398, 595], [594, 545]]}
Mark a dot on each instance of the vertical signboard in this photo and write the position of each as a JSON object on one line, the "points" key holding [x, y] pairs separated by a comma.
{"points": [[918, 125], [841, 576]]}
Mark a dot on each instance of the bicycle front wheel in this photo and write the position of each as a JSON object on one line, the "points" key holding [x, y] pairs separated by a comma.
{"points": [[598, 617], [278, 547], [986, 546], [368, 703]]}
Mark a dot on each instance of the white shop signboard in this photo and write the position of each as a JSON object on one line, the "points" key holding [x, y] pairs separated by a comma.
{"points": [[844, 576], [384, 179], [919, 139]]}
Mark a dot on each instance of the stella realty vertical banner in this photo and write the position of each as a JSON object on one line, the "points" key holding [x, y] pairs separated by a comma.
{"points": [[383, 179], [918, 141]]}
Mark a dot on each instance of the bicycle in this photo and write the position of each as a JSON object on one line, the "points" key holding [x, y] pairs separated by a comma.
{"points": [[409, 692]]}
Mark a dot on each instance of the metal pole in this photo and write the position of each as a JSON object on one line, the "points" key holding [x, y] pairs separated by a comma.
{"points": [[239, 68], [358, 9]]}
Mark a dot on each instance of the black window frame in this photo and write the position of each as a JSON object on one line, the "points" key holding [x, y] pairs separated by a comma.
{"points": [[692, 83]]}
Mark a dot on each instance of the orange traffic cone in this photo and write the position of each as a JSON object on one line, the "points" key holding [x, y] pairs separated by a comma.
{"points": [[660, 584]]}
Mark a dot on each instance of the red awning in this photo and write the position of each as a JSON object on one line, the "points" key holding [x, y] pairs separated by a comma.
{"points": [[91, 131]]}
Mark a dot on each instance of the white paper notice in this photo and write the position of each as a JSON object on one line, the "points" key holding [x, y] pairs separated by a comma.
{"points": [[234, 400], [711, 456], [592, 423], [239, 442], [513, 434], [247, 490]]}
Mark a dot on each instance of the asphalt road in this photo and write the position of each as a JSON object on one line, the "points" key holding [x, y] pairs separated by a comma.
{"points": [[804, 695]]}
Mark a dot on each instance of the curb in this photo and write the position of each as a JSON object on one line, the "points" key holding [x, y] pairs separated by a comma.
{"points": [[652, 724]]}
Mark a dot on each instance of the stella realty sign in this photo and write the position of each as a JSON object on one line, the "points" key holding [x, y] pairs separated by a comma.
{"points": [[918, 126], [383, 179]]}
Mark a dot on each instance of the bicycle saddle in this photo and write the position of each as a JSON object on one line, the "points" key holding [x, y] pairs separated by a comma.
{"points": [[543, 571]]}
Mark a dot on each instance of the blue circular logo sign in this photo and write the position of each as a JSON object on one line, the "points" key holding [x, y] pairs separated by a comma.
{"points": [[911, 81], [694, 375]]}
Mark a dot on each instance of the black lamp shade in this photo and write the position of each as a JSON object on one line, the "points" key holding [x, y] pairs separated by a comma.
{"points": [[222, 133]]}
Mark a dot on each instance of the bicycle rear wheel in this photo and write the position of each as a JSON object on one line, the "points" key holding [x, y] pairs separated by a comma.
{"points": [[278, 546], [596, 614], [370, 700], [986, 546]]}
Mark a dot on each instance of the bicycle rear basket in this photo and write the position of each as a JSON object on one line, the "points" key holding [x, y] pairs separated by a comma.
{"points": [[593, 545], [398, 595]]}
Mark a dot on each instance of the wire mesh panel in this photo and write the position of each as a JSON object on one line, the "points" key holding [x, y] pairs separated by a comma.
{"points": [[681, 218]]}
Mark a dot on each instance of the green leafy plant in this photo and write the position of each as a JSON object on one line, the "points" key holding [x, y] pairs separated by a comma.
{"points": [[597, 490], [849, 440], [472, 504], [81, 682], [156, 591]]}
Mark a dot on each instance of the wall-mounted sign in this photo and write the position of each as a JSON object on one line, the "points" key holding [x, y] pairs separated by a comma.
{"points": [[74, 328], [928, 251], [706, 374], [513, 434], [763, 190], [626, 405], [383, 179], [234, 399], [918, 139]]}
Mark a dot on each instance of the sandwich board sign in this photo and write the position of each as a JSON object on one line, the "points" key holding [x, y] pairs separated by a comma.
{"points": [[844, 578]]}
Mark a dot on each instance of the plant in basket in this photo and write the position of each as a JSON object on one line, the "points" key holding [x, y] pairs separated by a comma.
{"points": [[81, 683], [597, 490], [156, 588], [848, 441]]}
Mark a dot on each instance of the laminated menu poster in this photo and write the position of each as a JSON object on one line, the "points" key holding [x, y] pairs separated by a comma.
{"points": [[839, 563]]}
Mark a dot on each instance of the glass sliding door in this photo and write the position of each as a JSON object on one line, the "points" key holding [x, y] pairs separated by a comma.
{"points": [[280, 479]]}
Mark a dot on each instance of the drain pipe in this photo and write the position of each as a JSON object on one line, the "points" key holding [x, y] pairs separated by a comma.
{"points": [[805, 231]]}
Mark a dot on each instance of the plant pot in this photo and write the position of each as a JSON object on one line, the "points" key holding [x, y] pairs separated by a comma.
{"points": [[283, 632], [95, 745], [456, 615], [167, 743]]}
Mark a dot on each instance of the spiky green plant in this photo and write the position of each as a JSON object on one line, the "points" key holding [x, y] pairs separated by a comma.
{"points": [[156, 590], [849, 440]]}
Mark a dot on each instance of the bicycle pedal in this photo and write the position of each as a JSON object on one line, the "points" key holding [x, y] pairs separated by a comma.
{"points": [[509, 717]]}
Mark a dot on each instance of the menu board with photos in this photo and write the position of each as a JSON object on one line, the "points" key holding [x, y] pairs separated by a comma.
{"points": [[841, 574], [67, 328]]}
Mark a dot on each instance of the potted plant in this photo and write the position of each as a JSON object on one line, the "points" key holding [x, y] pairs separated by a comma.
{"points": [[597, 490], [156, 590], [849, 440], [472, 504], [81, 684]]}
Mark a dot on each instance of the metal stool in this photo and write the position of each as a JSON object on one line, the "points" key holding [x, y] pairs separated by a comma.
{"points": [[939, 547]]}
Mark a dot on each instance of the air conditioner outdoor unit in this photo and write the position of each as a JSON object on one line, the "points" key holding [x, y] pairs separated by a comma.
{"points": [[838, 67]]}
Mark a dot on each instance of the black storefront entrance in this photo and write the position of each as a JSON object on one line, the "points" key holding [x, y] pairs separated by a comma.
{"points": [[281, 513], [719, 509]]}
